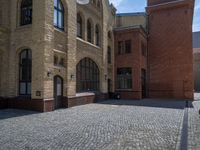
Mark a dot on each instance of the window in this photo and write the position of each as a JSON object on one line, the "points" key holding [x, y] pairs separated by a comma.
{"points": [[109, 35], [26, 12], [55, 60], [62, 62], [98, 4], [89, 31], [124, 78], [109, 55], [87, 76], [58, 14], [124, 47], [79, 26], [93, 1], [25, 71], [120, 47], [97, 35], [128, 46], [144, 49]]}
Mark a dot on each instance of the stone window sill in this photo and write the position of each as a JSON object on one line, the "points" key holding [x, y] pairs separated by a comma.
{"points": [[85, 94], [86, 42]]}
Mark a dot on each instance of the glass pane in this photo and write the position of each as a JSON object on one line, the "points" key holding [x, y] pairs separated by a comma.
{"points": [[55, 3], [22, 88], [23, 56], [29, 54], [60, 21], [59, 89], [55, 17], [29, 88], [60, 6], [78, 29]]}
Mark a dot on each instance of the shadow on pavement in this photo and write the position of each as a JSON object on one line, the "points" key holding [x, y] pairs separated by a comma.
{"points": [[159, 103], [11, 113]]}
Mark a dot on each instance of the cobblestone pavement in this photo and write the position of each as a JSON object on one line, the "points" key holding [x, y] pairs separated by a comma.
{"points": [[113, 125], [194, 124]]}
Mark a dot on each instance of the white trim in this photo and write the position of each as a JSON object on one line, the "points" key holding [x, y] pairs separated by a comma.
{"points": [[166, 3], [58, 51], [86, 42]]}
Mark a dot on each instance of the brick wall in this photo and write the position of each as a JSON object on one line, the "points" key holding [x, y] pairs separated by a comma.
{"points": [[134, 60], [170, 50], [155, 2], [197, 69], [45, 41]]}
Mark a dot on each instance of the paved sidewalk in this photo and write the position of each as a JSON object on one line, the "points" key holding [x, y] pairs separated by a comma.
{"points": [[114, 125], [194, 124]]}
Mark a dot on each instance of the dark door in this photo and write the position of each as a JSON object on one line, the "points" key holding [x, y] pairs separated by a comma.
{"points": [[110, 88], [58, 92], [143, 78]]}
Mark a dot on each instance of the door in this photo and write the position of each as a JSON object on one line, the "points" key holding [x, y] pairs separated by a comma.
{"points": [[110, 88], [58, 92], [143, 78], [0, 70]]}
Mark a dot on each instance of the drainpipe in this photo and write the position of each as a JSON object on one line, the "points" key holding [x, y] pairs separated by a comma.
{"points": [[148, 65]]}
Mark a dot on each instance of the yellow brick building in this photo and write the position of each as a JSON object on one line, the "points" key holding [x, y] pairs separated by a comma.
{"points": [[42, 44]]}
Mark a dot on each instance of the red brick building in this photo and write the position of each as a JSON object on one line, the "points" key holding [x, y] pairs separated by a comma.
{"points": [[169, 70], [130, 62], [196, 53]]}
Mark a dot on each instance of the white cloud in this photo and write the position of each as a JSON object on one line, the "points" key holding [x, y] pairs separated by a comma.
{"points": [[116, 2]]}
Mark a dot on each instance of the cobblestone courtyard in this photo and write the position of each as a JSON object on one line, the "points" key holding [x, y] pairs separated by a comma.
{"points": [[112, 125]]}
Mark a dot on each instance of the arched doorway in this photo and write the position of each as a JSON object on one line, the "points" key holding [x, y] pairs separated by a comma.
{"points": [[25, 72], [58, 92], [87, 73]]}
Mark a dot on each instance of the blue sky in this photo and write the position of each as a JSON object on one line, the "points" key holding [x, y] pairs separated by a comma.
{"points": [[124, 6]]}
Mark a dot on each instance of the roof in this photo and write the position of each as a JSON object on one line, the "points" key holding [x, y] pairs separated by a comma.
{"points": [[131, 14], [130, 27], [196, 39]]}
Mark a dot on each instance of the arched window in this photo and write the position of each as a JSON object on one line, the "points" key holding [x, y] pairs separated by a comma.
{"points": [[87, 76], [109, 55], [58, 14], [109, 35], [98, 4], [93, 2], [26, 12], [79, 26], [62, 62], [25, 71], [89, 31], [55, 60], [97, 35]]}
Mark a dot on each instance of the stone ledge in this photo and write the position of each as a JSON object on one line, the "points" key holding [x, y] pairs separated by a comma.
{"points": [[27, 103]]}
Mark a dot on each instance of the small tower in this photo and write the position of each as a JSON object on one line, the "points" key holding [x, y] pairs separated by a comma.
{"points": [[170, 56]]}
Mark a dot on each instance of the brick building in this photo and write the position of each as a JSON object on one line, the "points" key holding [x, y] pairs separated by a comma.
{"points": [[57, 53], [170, 59], [131, 47], [196, 53], [160, 60]]}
